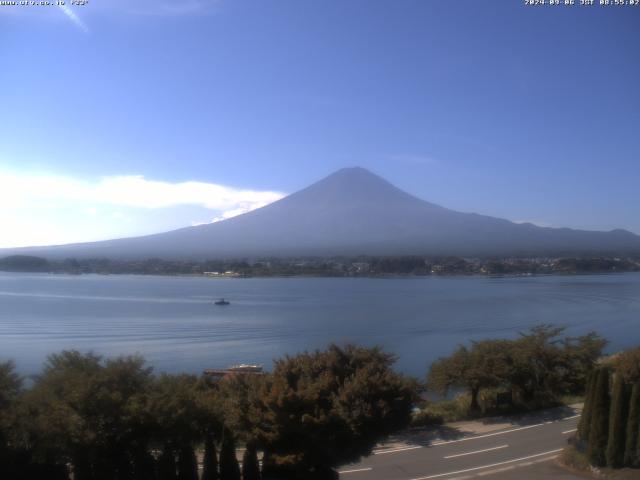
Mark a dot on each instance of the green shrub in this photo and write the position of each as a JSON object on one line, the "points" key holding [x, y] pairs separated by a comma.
{"points": [[441, 412], [426, 417]]}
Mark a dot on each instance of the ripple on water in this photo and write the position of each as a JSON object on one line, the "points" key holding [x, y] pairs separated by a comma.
{"points": [[172, 321]]}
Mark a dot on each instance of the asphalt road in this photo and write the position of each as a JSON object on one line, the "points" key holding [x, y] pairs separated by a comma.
{"points": [[516, 452], [535, 471]]}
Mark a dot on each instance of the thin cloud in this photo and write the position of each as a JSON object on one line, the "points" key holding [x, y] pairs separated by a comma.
{"points": [[234, 212], [136, 191], [74, 18], [48, 209]]}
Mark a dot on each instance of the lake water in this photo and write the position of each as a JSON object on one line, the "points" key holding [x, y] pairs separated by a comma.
{"points": [[172, 320]]}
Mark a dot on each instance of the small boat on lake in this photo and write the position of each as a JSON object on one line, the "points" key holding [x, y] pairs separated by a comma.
{"points": [[222, 301]]}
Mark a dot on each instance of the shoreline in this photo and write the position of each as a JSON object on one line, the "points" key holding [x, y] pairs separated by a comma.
{"points": [[382, 276]]}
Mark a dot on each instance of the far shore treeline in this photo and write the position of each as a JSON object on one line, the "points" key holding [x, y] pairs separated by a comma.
{"points": [[363, 266], [89, 418]]}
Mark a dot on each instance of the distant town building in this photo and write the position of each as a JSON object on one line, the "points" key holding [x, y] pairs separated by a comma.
{"points": [[361, 267]]}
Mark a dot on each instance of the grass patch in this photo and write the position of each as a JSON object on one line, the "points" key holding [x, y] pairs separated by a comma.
{"points": [[457, 409], [574, 459], [571, 399], [445, 411]]}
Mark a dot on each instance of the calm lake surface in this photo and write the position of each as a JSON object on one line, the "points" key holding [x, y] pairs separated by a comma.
{"points": [[172, 320]]}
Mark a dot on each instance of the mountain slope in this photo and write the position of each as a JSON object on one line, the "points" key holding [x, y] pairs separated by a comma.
{"points": [[352, 212]]}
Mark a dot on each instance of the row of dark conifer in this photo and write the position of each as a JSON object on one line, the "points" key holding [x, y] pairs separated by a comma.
{"points": [[214, 467], [609, 430]]}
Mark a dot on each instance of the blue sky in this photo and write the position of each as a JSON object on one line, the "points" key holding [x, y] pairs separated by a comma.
{"points": [[125, 117]]}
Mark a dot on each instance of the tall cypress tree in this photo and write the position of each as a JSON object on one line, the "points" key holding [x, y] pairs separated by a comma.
{"points": [[617, 422], [269, 469], [210, 462], [82, 467], [637, 461], [229, 468], [250, 466], [187, 463], [599, 423], [55, 471], [144, 465], [631, 457], [585, 418], [167, 465]]}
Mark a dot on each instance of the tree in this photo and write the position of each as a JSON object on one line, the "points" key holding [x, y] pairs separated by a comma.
{"points": [[538, 367], [187, 463], [326, 408], [241, 401], [598, 430], [144, 465], [119, 397], [632, 445], [617, 422], [581, 355], [167, 464], [448, 372], [177, 415], [56, 411], [486, 365], [10, 389], [229, 468], [250, 466], [587, 408], [10, 385], [210, 461], [243, 414], [627, 364], [84, 411]]}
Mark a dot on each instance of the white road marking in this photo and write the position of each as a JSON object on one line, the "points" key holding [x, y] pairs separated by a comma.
{"points": [[356, 470], [489, 466], [570, 431], [446, 442], [512, 467], [501, 432], [477, 451], [466, 439], [497, 470], [394, 450]]}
